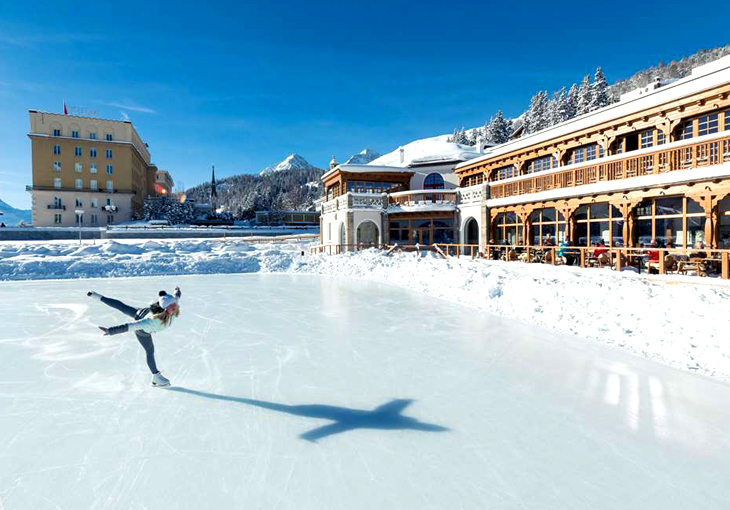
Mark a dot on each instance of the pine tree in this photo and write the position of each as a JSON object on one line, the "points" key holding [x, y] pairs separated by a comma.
{"points": [[562, 107], [584, 96], [553, 115], [498, 130], [599, 91], [537, 115], [571, 103]]}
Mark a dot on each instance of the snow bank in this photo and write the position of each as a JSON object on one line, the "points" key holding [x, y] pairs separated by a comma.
{"points": [[680, 321]]}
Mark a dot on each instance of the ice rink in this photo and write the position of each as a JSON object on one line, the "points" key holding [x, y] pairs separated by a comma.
{"points": [[304, 392]]}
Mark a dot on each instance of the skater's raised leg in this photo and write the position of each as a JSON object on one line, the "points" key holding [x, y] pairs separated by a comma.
{"points": [[130, 311]]}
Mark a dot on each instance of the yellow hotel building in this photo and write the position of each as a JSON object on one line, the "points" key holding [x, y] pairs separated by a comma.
{"points": [[99, 166]]}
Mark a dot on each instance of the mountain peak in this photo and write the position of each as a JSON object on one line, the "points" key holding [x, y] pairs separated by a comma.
{"points": [[363, 158], [291, 162]]}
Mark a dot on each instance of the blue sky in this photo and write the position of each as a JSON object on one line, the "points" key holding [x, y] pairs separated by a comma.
{"points": [[243, 84]]}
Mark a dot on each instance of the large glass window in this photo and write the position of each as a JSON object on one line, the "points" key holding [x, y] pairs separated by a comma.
{"points": [[422, 231], [599, 222], [547, 227], [675, 221], [508, 230], [727, 120], [433, 181]]}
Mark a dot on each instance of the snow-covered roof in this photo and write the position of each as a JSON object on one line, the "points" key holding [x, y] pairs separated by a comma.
{"points": [[702, 78], [435, 149]]}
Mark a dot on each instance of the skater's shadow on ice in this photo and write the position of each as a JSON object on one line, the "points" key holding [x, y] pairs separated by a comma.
{"points": [[385, 417]]}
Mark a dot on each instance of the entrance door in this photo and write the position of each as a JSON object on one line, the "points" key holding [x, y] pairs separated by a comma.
{"points": [[421, 236]]}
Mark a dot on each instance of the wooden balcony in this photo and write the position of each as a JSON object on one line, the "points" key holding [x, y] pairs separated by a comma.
{"points": [[422, 198], [657, 160]]}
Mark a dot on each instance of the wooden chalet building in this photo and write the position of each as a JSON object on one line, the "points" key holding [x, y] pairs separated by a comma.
{"points": [[653, 167]]}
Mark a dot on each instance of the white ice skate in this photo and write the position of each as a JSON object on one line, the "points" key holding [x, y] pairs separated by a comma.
{"points": [[160, 381]]}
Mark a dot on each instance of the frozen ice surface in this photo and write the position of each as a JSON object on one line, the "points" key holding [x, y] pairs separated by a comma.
{"points": [[307, 392]]}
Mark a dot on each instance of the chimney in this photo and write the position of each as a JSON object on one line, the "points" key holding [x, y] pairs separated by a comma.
{"points": [[333, 162], [401, 155], [480, 144]]}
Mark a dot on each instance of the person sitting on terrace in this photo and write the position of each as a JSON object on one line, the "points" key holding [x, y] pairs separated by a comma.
{"points": [[549, 240], [600, 249], [566, 254], [653, 254]]}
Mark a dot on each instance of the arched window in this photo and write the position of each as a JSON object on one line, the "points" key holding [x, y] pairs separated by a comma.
{"points": [[433, 181]]}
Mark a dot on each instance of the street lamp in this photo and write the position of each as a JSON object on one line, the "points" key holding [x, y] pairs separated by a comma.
{"points": [[79, 217]]}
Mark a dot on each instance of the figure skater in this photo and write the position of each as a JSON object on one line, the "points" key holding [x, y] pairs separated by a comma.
{"points": [[153, 319]]}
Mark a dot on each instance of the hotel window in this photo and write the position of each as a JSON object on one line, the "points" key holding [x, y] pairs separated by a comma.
{"points": [[94, 219], [94, 201], [57, 202], [508, 229], [599, 222], [108, 200], [92, 135], [506, 172], [108, 153], [57, 149], [57, 219], [79, 219], [57, 182], [547, 227], [109, 219], [684, 131], [727, 120], [57, 166], [79, 184], [78, 167], [678, 220], [647, 139], [109, 188], [585, 153], [77, 151], [93, 185], [56, 132], [659, 137], [74, 134], [79, 203], [92, 153], [92, 168], [542, 164], [707, 125], [109, 137], [433, 181], [109, 169]]}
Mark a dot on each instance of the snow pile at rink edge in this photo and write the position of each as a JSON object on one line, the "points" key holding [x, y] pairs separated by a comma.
{"points": [[680, 321]]}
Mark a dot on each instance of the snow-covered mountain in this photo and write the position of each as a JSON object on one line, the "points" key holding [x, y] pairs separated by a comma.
{"points": [[291, 162], [363, 158], [11, 216]]}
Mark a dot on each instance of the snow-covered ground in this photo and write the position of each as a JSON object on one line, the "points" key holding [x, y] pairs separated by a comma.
{"points": [[306, 392], [680, 321]]}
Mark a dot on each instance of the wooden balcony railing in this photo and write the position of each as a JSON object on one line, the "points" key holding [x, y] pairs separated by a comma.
{"points": [[658, 161], [410, 198]]}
